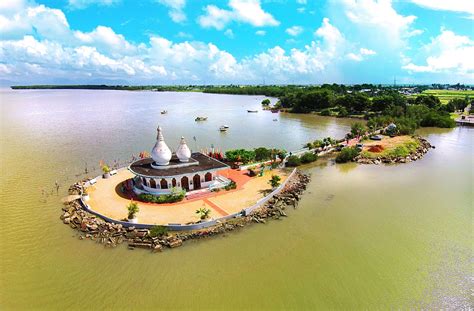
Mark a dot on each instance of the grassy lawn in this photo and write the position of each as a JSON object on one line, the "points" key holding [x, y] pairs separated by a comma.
{"points": [[399, 146], [446, 95]]}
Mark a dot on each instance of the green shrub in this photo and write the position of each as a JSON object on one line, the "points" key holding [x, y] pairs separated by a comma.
{"points": [[347, 154], [274, 181], [132, 209], [157, 231], [231, 185], [173, 197], [203, 212], [308, 157], [326, 112], [293, 161]]}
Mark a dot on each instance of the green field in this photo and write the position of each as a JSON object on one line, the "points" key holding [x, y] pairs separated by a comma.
{"points": [[446, 95]]}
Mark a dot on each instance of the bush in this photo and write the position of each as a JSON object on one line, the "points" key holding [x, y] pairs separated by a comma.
{"points": [[326, 112], [157, 231], [274, 181], [132, 209], [266, 102], [293, 161], [240, 155], [231, 185], [308, 157], [173, 197], [262, 153], [347, 154], [342, 112]]}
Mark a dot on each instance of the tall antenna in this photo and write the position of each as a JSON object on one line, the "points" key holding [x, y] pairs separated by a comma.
{"points": [[395, 81]]}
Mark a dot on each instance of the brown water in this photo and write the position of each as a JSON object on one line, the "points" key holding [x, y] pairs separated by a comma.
{"points": [[363, 237]]}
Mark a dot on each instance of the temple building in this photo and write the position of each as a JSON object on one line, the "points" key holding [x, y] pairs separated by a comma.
{"points": [[183, 170]]}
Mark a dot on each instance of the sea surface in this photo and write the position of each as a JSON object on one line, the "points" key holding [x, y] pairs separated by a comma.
{"points": [[363, 237]]}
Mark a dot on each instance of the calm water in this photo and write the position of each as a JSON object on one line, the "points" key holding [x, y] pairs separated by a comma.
{"points": [[363, 237]]}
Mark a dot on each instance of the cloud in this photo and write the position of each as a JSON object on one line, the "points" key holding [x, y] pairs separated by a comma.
{"points": [[447, 53], [260, 32], [380, 17], [82, 4], [244, 11], [294, 30], [460, 6], [104, 54], [176, 11], [229, 33], [360, 56]]}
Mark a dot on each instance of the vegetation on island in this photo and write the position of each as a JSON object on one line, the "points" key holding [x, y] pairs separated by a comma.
{"points": [[256, 155], [203, 213], [157, 231], [347, 154], [176, 195], [308, 157], [274, 181], [132, 209]]}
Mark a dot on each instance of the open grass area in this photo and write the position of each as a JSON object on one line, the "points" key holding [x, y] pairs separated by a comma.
{"points": [[399, 146], [446, 95]]}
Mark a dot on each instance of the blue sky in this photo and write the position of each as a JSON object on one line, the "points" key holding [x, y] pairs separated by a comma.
{"points": [[236, 41]]}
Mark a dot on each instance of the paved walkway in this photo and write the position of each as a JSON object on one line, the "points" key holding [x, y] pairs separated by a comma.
{"points": [[105, 199]]}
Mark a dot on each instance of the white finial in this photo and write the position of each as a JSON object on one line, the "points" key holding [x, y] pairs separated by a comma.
{"points": [[160, 153], [183, 153]]}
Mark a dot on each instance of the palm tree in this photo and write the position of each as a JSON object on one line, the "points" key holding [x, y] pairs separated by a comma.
{"points": [[133, 209], [203, 212], [275, 181]]}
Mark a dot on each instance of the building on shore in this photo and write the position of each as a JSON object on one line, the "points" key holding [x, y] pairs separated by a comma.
{"points": [[183, 169]]}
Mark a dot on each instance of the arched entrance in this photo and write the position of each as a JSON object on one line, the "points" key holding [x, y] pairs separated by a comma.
{"points": [[185, 183], [196, 182], [173, 182], [208, 177], [152, 183], [163, 184]]}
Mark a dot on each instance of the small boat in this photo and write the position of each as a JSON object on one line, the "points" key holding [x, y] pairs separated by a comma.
{"points": [[223, 128], [275, 110], [376, 137], [200, 119], [252, 111], [275, 119], [164, 111]]}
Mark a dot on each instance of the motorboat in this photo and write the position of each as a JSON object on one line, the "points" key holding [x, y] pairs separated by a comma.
{"points": [[164, 111], [252, 111], [200, 119], [223, 128]]}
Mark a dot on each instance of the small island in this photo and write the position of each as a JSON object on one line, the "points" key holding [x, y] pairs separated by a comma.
{"points": [[168, 197]]}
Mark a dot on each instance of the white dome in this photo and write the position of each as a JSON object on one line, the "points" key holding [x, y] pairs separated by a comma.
{"points": [[183, 153], [160, 153]]}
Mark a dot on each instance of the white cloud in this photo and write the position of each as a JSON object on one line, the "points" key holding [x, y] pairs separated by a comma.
{"points": [[301, 1], [82, 4], [360, 56], [294, 30], [380, 16], [461, 6], [176, 7], [260, 32], [449, 53], [229, 33], [301, 10], [244, 11]]}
